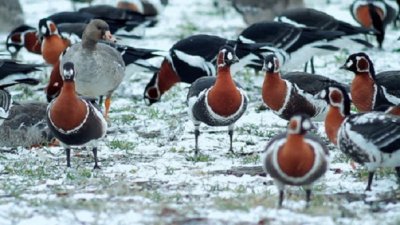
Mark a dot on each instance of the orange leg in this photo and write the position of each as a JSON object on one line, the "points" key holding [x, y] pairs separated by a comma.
{"points": [[107, 104]]}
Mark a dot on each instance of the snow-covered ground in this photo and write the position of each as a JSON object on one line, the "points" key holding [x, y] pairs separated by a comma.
{"points": [[149, 174]]}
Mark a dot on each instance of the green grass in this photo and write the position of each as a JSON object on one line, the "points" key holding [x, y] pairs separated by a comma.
{"points": [[245, 202], [121, 144], [175, 149], [186, 29], [255, 130], [251, 159], [199, 158]]}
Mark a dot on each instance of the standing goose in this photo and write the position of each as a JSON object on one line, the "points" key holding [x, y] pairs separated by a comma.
{"points": [[73, 120], [295, 157], [99, 67], [369, 91], [371, 139], [294, 92], [217, 101]]}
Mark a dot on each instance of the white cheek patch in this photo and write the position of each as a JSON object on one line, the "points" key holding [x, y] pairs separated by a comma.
{"points": [[65, 72], [68, 72], [43, 29], [269, 65], [349, 63], [229, 56]]}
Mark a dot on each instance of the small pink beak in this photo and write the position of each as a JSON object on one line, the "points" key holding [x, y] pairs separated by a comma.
{"points": [[108, 36]]}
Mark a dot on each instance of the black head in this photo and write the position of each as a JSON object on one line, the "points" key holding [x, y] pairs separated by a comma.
{"points": [[97, 30], [152, 92], [359, 63], [227, 56], [47, 28], [68, 71], [337, 96], [299, 124], [271, 64]]}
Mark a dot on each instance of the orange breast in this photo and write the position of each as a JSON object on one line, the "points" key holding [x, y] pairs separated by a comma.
{"points": [[52, 47], [296, 158], [224, 98], [362, 92], [363, 16], [274, 91], [68, 111], [333, 121]]}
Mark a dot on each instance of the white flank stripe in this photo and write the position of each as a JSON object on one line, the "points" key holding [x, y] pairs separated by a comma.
{"points": [[284, 19], [288, 93], [394, 99], [246, 40], [376, 158], [196, 61], [10, 79], [374, 95]]}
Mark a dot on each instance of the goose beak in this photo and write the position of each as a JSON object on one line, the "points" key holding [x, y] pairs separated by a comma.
{"points": [[109, 37]]}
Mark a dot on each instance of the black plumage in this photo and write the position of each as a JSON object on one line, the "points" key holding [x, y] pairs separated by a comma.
{"points": [[12, 72], [286, 36], [381, 131], [311, 83], [201, 114]]}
